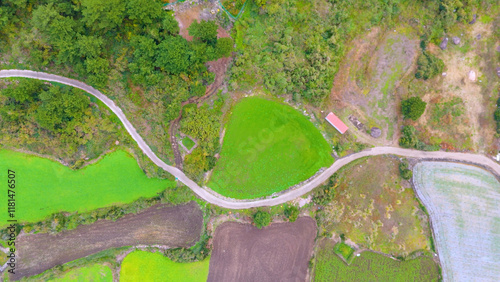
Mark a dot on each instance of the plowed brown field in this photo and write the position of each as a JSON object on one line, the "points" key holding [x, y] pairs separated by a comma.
{"points": [[280, 252], [178, 226]]}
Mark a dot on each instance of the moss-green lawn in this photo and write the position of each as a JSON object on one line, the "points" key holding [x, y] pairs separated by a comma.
{"points": [[95, 273], [44, 186], [267, 148], [371, 266], [188, 143], [146, 266]]}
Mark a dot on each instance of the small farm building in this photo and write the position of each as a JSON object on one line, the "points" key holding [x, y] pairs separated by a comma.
{"points": [[337, 123]]}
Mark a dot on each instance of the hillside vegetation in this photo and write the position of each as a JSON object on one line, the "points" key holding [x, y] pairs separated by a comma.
{"points": [[55, 120], [267, 148], [295, 47], [131, 50]]}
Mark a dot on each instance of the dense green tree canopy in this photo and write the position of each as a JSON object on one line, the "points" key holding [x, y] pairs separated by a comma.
{"points": [[413, 107], [144, 11], [409, 137], [261, 219], [59, 108], [103, 15], [173, 55], [205, 31], [428, 66]]}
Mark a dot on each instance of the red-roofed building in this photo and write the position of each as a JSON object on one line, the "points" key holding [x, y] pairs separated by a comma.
{"points": [[337, 123]]}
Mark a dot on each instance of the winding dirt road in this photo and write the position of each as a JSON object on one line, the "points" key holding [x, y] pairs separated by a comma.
{"points": [[219, 200]]}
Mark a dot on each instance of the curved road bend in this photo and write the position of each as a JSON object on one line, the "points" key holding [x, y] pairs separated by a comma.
{"points": [[222, 201]]}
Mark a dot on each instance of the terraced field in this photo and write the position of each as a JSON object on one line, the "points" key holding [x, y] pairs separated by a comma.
{"points": [[371, 266], [178, 226], [267, 148], [463, 204], [45, 187], [279, 252], [146, 266]]}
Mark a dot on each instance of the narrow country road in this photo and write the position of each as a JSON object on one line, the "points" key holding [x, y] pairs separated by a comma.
{"points": [[222, 201]]}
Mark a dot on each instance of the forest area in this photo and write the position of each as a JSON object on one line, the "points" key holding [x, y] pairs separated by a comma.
{"points": [[130, 50], [295, 47], [133, 52]]}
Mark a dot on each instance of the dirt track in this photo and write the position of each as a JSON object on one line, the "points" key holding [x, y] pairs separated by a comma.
{"points": [[178, 226], [280, 252], [216, 199]]}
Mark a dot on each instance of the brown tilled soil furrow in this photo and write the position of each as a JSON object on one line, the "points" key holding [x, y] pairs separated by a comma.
{"points": [[178, 226], [280, 252]]}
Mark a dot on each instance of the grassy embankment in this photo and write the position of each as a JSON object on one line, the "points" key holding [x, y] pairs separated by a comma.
{"points": [[375, 208], [267, 148], [371, 266], [145, 266], [94, 273], [44, 187]]}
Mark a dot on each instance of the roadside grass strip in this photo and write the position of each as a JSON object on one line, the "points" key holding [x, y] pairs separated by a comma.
{"points": [[268, 147], [463, 202], [95, 273], [44, 187], [371, 266], [146, 266]]}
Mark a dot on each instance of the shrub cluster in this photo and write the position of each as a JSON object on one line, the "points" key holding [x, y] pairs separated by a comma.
{"points": [[428, 66], [413, 108], [197, 252], [496, 115], [291, 212], [409, 139], [261, 219], [404, 171], [325, 194]]}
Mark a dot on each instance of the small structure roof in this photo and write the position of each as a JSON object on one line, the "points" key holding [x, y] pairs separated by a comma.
{"points": [[337, 123]]}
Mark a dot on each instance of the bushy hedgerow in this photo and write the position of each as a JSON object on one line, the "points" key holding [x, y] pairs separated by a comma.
{"points": [[428, 66], [413, 108]]}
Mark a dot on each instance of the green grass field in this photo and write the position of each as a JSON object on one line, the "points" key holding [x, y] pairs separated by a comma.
{"points": [[146, 266], [44, 186], [267, 148], [188, 143], [371, 266], [93, 273], [344, 250]]}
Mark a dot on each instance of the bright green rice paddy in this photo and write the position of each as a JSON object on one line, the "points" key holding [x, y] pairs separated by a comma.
{"points": [[146, 266], [44, 187], [267, 148], [94, 273]]}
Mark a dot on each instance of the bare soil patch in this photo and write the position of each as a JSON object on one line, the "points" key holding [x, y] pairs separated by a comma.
{"points": [[366, 84], [280, 252], [459, 114], [178, 226]]}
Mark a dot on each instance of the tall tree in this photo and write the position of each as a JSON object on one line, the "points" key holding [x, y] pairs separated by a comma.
{"points": [[205, 31], [173, 55], [102, 15], [144, 11]]}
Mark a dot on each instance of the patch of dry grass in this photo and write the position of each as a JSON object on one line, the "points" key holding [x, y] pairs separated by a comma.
{"points": [[375, 208]]}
